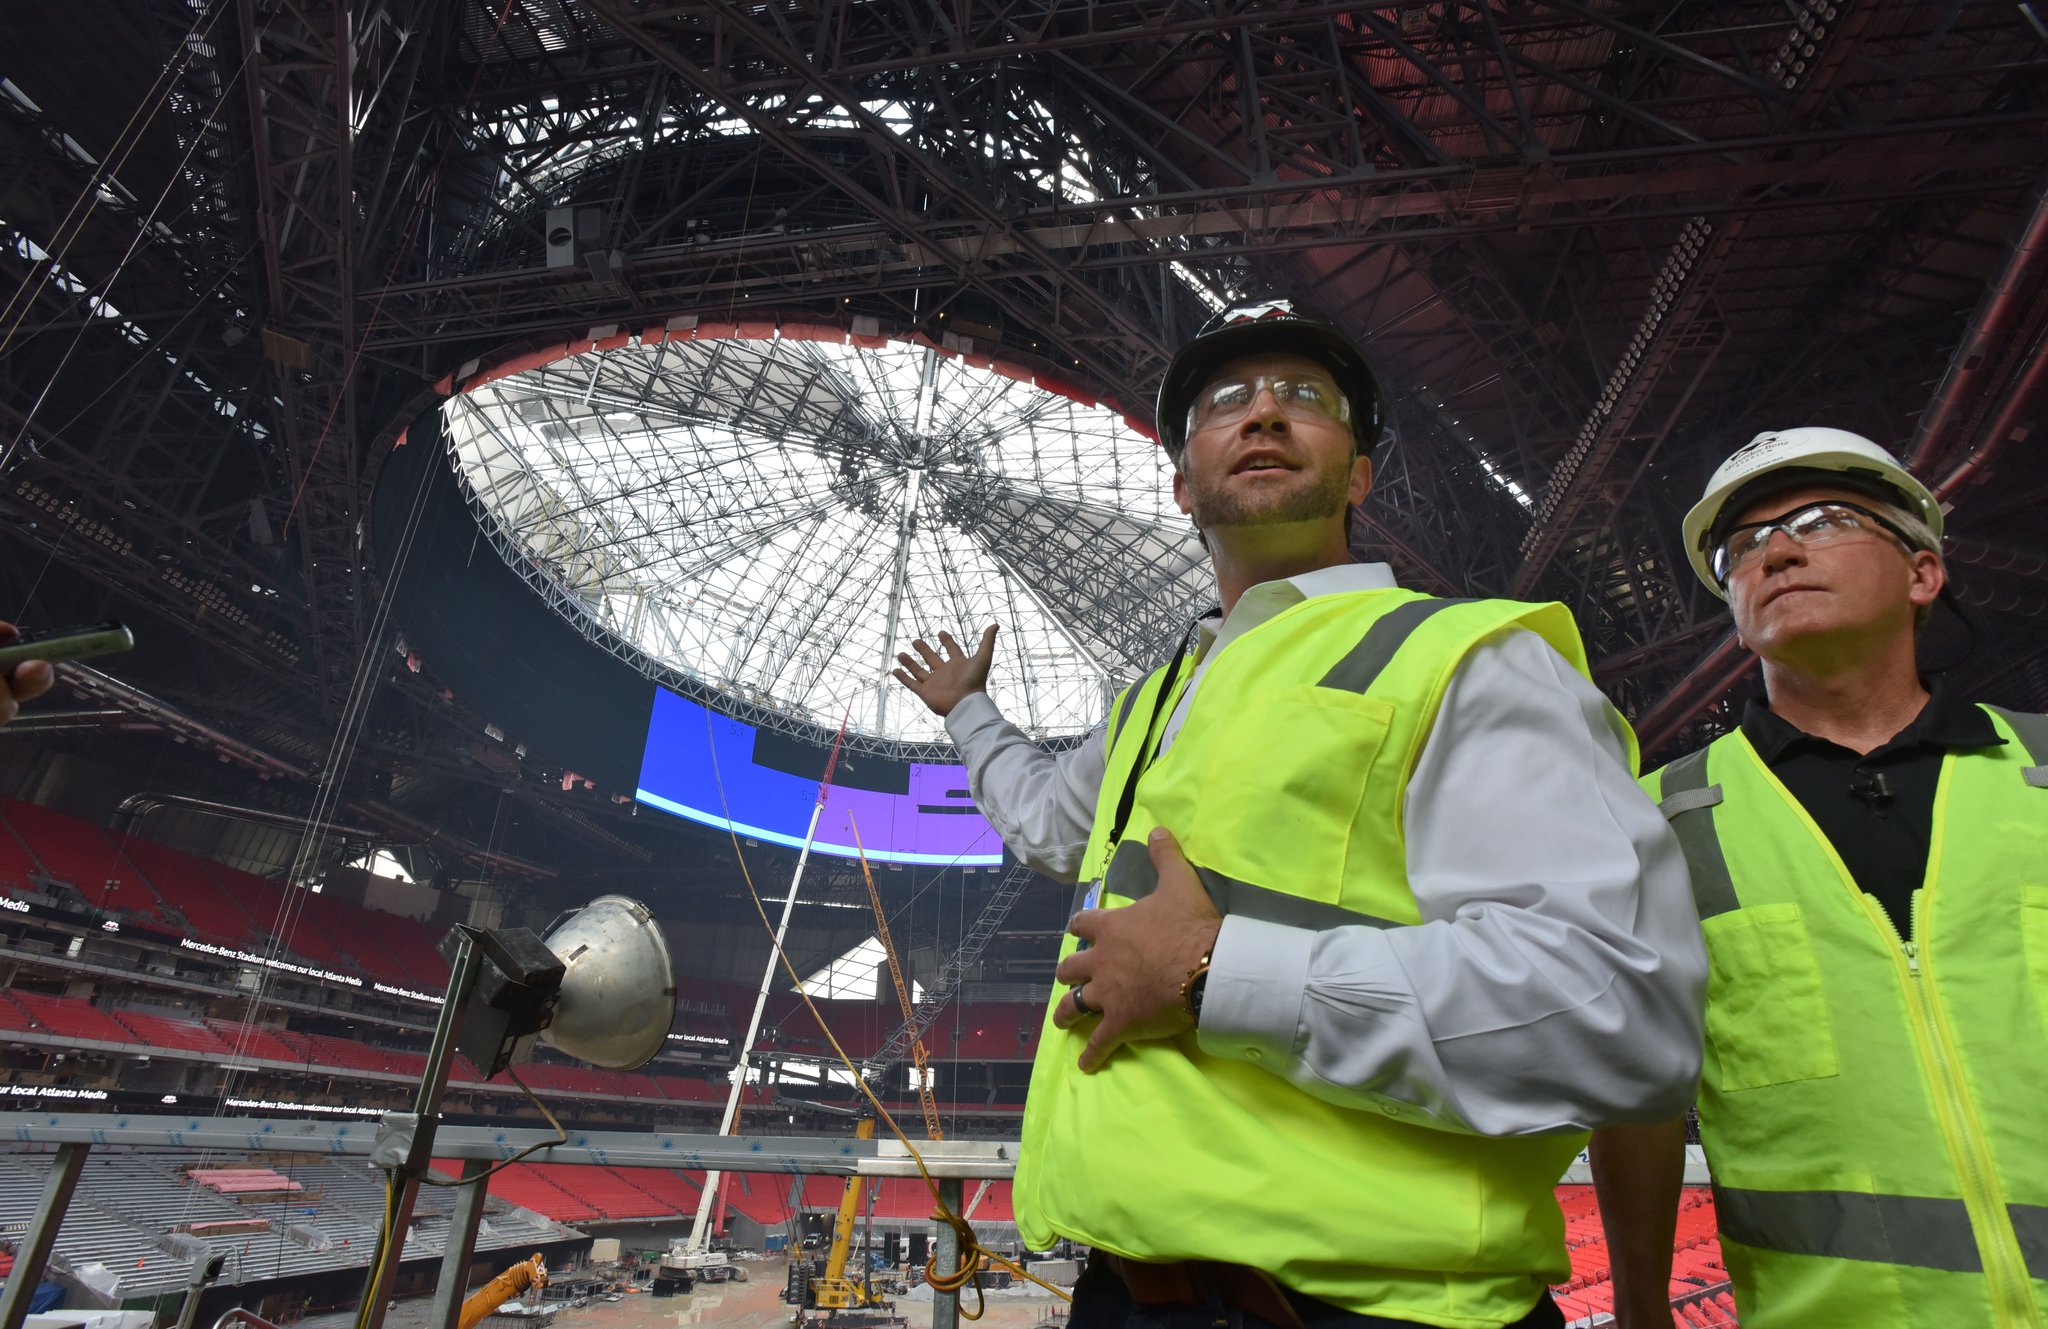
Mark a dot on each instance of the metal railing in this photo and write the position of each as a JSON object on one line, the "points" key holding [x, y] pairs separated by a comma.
{"points": [[74, 1134]]}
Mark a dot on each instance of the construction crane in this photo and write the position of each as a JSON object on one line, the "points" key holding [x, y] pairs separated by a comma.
{"points": [[526, 1274], [919, 1058], [833, 1290]]}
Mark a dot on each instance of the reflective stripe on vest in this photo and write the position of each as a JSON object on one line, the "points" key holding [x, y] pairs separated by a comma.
{"points": [[1123, 713], [1849, 1225], [1357, 671], [2030, 1223], [1914, 1230], [1132, 876], [1688, 802], [2032, 732]]}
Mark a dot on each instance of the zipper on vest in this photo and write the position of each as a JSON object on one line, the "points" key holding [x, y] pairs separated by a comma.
{"points": [[2012, 1300]]}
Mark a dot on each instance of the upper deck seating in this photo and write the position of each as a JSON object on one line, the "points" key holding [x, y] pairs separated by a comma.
{"points": [[186, 886], [79, 854], [72, 1017], [167, 1031]]}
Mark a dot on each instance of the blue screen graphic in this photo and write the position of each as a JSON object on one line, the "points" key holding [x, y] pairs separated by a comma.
{"points": [[701, 765]]}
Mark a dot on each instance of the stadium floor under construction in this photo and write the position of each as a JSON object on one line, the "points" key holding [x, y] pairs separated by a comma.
{"points": [[755, 1304]]}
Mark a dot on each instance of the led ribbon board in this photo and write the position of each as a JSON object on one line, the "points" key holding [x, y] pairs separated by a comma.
{"points": [[712, 769]]}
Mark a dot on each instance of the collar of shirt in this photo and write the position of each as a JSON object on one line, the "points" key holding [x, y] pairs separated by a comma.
{"points": [[1267, 599], [1946, 721]]}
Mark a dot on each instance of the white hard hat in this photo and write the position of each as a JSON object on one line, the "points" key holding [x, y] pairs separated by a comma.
{"points": [[1860, 463]]}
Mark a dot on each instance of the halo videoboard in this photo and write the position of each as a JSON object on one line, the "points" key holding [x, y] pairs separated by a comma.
{"points": [[724, 772]]}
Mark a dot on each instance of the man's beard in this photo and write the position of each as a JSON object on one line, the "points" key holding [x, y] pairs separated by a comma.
{"points": [[1228, 506]]}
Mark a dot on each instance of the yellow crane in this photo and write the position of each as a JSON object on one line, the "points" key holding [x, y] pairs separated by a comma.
{"points": [[834, 1290], [511, 1283], [919, 1058]]}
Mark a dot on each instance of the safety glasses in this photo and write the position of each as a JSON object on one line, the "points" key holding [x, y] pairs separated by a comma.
{"points": [[1228, 401], [1816, 524]]}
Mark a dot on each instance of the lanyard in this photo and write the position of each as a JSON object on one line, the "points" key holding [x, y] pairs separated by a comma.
{"points": [[1162, 708]]}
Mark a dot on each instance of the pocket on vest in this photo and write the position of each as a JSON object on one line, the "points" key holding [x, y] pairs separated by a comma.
{"points": [[1767, 1012], [1281, 802]]}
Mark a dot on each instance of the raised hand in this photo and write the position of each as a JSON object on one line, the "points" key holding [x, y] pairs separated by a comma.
{"points": [[941, 680]]}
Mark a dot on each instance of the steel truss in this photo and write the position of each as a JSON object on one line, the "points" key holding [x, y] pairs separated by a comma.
{"points": [[1591, 242]]}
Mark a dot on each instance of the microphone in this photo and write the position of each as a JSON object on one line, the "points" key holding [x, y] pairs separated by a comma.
{"points": [[1873, 789]]}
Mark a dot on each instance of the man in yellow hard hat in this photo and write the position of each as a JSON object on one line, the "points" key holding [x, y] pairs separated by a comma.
{"points": [[1869, 856]]}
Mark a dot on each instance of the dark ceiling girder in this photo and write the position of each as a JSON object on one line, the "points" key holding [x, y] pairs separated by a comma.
{"points": [[903, 222], [1499, 128], [1987, 341]]}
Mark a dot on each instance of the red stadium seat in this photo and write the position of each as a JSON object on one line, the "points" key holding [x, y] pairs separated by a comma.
{"points": [[79, 854], [164, 1031], [183, 883], [72, 1018]]}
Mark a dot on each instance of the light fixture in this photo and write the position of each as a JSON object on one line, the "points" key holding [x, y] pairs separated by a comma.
{"points": [[600, 988]]}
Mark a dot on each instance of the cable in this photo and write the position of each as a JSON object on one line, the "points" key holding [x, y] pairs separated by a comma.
{"points": [[389, 1240], [91, 300], [971, 1253], [106, 173], [561, 1137], [384, 1246]]}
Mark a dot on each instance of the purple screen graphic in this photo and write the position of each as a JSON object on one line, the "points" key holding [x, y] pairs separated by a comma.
{"points": [[701, 765]]}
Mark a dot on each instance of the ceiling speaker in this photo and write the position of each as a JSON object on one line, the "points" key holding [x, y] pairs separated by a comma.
{"points": [[618, 996]]}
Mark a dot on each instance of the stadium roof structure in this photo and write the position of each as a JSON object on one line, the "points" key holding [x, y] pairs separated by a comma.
{"points": [[1594, 244], [773, 517]]}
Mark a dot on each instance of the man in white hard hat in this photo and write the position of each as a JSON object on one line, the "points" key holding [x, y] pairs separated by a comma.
{"points": [[1378, 921], [1869, 856]]}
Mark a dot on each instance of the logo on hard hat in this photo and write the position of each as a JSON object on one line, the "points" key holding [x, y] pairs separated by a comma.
{"points": [[1760, 446], [1253, 312]]}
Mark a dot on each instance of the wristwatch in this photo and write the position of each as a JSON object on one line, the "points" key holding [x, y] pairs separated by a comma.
{"points": [[1192, 987]]}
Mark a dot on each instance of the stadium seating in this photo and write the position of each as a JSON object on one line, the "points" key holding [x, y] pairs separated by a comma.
{"points": [[686, 1089], [677, 1191], [215, 903], [12, 1016], [254, 1041], [79, 854], [166, 1031], [280, 911], [128, 1202], [18, 867], [185, 886], [1698, 1277], [525, 1185], [603, 1189], [70, 1017]]}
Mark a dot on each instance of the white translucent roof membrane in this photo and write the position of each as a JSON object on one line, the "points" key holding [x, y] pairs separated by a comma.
{"points": [[756, 513]]}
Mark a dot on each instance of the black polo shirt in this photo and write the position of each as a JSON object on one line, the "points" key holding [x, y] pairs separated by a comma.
{"points": [[1876, 809]]}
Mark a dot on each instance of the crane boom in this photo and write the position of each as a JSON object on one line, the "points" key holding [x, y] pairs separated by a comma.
{"points": [[919, 1058], [513, 1282]]}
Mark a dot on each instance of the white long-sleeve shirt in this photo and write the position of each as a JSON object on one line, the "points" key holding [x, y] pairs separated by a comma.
{"points": [[1557, 980]]}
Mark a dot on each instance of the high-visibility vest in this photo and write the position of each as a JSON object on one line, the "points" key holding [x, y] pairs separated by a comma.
{"points": [[1284, 787], [1875, 1111]]}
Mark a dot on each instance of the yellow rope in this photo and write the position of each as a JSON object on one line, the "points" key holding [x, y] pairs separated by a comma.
{"points": [[972, 1254]]}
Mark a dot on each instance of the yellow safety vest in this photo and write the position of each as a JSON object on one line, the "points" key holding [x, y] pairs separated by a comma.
{"points": [[1875, 1111], [1285, 788]]}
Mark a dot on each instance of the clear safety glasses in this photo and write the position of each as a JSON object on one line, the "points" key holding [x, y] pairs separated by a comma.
{"points": [[1815, 524], [1230, 400]]}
